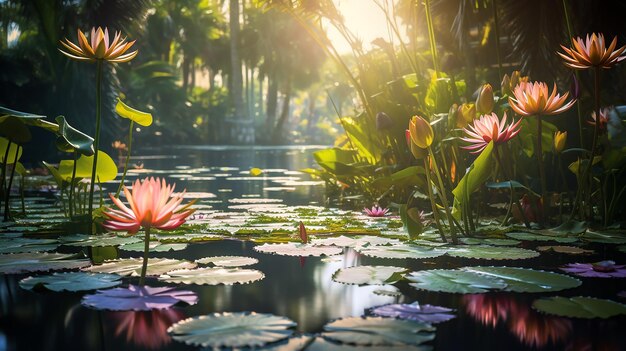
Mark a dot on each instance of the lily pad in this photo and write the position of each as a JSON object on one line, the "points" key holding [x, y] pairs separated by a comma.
{"points": [[369, 275], [139, 298], [491, 252], [228, 261], [388, 290], [490, 241], [213, 276], [132, 266], [540, 237], [39, 262], [227, 329], [580, 307], [378, 331], [527, 280], [402, 251], [296, 249], [345, 241], [571, 250], [72, 281], [155, 246], [21, 245], [605, 238], [454, 281], [98, 240], [321, 344], [415, 312]]}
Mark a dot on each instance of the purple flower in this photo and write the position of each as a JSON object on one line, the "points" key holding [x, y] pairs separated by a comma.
{"points": [[376, 211], [415, 312], [138, 298], [602, 269]]}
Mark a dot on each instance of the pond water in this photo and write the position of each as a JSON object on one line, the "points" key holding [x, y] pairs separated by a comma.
{"points": [[301, 289]]}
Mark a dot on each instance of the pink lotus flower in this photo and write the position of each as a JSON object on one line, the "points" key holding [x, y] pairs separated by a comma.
{"points": [[532, 99], [376, 211], [602, 269], [488, 128], [592, 52], [604, 119], [151, 206]]}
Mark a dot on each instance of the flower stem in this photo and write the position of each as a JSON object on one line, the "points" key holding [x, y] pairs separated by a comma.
{"points": [[71, 196], [431, 37], [146, 251], [7, 209], [542, 171], [432, 200], [96, 138], [496, 33], [513, 201], [444, 197], [5, 162], [130, 146]]}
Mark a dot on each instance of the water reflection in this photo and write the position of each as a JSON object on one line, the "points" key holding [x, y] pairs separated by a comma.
{"points": [[147, 329], [530, 327]]}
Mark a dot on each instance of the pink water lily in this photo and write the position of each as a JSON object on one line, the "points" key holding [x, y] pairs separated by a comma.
{"points": [[602, 269], [376, 211], [592, 52], [151, 206], [488, 128], [532, 99], [100, 47]]}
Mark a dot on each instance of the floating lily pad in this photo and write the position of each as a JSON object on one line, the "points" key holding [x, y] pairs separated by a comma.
{"points": [[132, 266], [491, 252], [454, 281], [228, 261], [321, 344], [21, 245], [388, 290], [345, 241], [296, 249], [155, 246], [371, 275], [39, 262], [213, 276], [580, 307], [227, 329], [605, 238], [97, 240], [527, 280], [378, 331], [72, 281], [490, 241], [402, 251], [571, 250], [540, 237], [139, 298], [415, 312]]}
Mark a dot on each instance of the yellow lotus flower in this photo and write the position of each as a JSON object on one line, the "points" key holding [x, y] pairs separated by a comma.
{"points": [[416, 151], [559, 141], [421, 132], [509, 83], [484, 102], [592, 52], [100, 47], [467, 113], [533, 99]]}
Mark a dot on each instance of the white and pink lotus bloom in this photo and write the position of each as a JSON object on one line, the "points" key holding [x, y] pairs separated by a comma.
{"points": [[488, 128], [376, 211], [532, 99], [101, 47], [151, 206]]}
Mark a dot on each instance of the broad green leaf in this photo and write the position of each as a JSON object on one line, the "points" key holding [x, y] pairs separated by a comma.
{"points": [[232, 330], [477, 174], [70, 139], [15, 130], [335, 155], [139, 117], [6, 113], [528, 135], [132, 266], [412, 227], [605, 237], [58, 178], [402, 251], [4, 143], [579, 307], [97, 240], [341, 169], [72, 281], [213, 276], [228, 261], [575, 167], [20, 169], [368, 275], [362, 137], [489, 241], [540, 237], [39, 262], [378, 331], [527, 280], [439, 94], [491, 252], [454, 281], [296, 249], [105, 171]]}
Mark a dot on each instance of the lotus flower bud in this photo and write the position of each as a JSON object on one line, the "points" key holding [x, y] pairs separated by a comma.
{"points": [[467, 113], [574, 89], [559, 141], [417, 152], [484, 102], [452, 116], [383, 121], [505, 85], [421, 131]]}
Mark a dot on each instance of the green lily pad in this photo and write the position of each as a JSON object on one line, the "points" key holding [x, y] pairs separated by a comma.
{"points": [[106, 170], [21, 245], [378, 331], [213, 276], [228, 261], [402, 251], [369, 275], [39, 262], [345, 241], [155, 246], [240, 329], [580, 307], [490, 241], [491, 252], [571, 250], [296, 249], [4, 143], [72, 281], [132, 266], [527, 280], [321, 344], [98, 240], [139, 117], [71, 139], [454, 281], [540, 237], [605, 238]]}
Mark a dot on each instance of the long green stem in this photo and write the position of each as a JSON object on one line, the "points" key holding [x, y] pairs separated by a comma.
{"points": [[496, 32], [507, 175], [146, 251], [578, 109], [96, 138], [431, 37], [542, 171], [71, 198], [444, 197], [7, 208], [130, 147], [433, 204], [5, 162]]}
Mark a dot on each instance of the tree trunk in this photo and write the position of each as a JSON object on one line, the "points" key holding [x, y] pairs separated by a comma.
{"points": [[235, 61], [272, 102], [277, 135]]}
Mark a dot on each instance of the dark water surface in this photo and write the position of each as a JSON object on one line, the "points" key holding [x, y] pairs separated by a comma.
{"points": [[300, 289]]}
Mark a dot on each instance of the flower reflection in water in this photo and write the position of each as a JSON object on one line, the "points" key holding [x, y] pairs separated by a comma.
{"points": [[530, 327], [147, 329]]}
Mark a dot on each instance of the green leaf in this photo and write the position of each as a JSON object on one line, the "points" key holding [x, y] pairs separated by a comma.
{"points": [[139, 117], [378, 331], [362, 137], [232, 330], [401, 251], [105, 171], [335, 155], [341, 169], [412, 227], [39, 262], [5, 113], [20, 169], [579, 307], [527, 280], [528, 136], [454, 281], [296, 249], [213, 276], [15, 130], [228, 261], [70, 139], [491, 252], [58, 178], [132, 266], [4, 143], [72, 281], [605, 237], [540, 237], [477, 174], [368, 275], [97, 240]]}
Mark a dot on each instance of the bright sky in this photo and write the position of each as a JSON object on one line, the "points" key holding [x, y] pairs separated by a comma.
{"points": [[364, 19]]}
